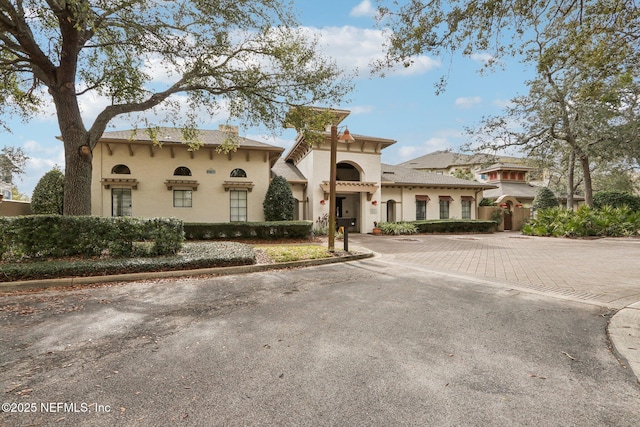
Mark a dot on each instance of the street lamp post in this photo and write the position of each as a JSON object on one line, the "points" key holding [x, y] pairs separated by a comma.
{"points": [[346, 137]]}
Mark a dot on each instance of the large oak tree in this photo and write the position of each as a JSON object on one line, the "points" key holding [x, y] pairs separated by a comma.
{"points": [[583, 99], [248, 57]]}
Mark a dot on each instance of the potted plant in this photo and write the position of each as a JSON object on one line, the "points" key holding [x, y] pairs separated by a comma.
{"points": [[376, 230]]}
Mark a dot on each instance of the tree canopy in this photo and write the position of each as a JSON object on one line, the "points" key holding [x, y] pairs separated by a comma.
{"points": [[12, 163], [246, 57], [583, 102]]}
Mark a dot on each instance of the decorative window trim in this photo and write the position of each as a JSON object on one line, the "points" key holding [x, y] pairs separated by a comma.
{"points": [[446, 198], [422, 198], [119, 182], [238, 173], [467, 198], [238, 185], [188, 184]]}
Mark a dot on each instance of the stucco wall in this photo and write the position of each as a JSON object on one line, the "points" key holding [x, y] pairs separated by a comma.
{"points": [[14, 208], [405, 198], [211, 203]]}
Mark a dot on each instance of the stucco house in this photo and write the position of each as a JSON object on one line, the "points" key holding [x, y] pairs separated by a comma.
{"points": [[133, 176]]}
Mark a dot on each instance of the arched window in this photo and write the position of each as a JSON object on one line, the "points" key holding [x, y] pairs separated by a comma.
{"points": [[121, 170], [238, 173], [182, 171]]}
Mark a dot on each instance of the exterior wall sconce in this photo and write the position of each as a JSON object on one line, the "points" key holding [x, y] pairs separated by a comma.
{"points": [[374, 203], [322, 202]]}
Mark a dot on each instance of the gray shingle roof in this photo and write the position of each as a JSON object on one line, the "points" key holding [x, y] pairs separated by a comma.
{"points": [[174, 135], [445, 159], [288, 170], [520, 190], [403, 175]]}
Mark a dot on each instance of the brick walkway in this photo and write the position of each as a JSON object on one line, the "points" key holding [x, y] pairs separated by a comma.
{"points": [[602, 271]]}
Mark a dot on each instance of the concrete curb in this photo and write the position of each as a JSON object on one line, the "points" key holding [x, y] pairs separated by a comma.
{"points": [[217, 271], [624, 332]]}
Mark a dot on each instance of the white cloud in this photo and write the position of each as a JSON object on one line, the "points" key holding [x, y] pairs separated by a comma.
{"points": [[502, 103], [364, 8], [362, 109], [443, 139], [467, 102], [42, 158], [355, 49], [484, 58]]}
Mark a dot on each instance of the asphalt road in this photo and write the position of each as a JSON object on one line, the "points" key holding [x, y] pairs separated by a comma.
{"points": [[364, 343]]}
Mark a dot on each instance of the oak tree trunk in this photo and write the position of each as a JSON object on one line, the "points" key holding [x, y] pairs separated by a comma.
{"points": [[78, 152]]}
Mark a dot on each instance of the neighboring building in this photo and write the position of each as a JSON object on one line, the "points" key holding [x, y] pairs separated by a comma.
{"points": [[5, 190], [510, 180], [134, 177], [445, 162], [5, 177], [410, 195]]}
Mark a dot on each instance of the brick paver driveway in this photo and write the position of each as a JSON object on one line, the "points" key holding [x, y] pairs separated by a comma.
{"points": [[600, 271]]}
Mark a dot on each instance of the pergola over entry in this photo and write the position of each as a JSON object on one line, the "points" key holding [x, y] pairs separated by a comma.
{"points": [[351, 187]]}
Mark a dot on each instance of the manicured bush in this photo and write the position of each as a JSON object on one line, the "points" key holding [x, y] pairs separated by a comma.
{"points": [[279, 203], [192, 256], [249, 230], [616, 199], [605, 222], [48, 194], [487, 202], [37, 236], [545, 199], [455, 226]]}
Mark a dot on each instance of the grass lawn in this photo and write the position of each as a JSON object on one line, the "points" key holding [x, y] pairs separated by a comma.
{"points": [[287, 253]]}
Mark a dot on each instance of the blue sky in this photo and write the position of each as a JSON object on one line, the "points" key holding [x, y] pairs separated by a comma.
{"points": [[402, 106]]}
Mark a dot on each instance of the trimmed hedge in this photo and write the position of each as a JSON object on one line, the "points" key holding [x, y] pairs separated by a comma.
{"points": [[455, 226], [616, 199], [249, 230], [192, 256], [37, 236]]}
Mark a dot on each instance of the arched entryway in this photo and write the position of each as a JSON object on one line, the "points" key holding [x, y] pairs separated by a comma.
{"points": [[391, 211], [507, 203]]}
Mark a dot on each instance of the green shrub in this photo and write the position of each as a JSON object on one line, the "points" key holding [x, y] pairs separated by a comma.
{"points": [[37, 236], [487, 202], [248, 230], [397, 228], [48, 194], [279, 204], [455, 226], [545, 199], [605, 222], [616, 199]]}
